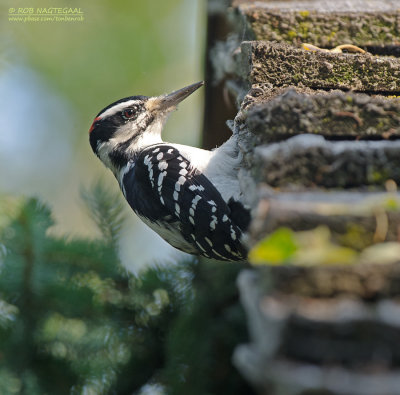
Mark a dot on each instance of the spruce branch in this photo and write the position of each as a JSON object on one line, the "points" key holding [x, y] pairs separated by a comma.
{"points": [[105, 208]]}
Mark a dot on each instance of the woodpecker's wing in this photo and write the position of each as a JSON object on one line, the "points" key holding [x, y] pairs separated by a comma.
{"points": [[162, 187]]}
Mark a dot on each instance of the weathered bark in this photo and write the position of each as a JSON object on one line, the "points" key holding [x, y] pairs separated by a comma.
{"points": [[329, 330], [332, 114], [309, 161], [355, 219], [323, 23], [282, 64], [319, 133]]}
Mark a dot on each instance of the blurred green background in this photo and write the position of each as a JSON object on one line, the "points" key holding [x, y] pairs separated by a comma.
{"points": [[56, 76], [73, 319]]}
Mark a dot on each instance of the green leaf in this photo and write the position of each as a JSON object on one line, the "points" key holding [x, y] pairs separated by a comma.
{"points": [[275, 249]]}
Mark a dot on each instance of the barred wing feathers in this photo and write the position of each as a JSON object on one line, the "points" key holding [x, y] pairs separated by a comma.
{"points": [[165, 189]]}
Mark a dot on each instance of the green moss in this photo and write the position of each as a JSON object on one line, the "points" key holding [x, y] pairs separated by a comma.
{"points": [[349, 99], [297, 78], [308, 248], [304, 28], [275, 249], [380, 125], [359, 29], [304, 14], [356, 237], [392, 204], [331, 35], [378, 176]]}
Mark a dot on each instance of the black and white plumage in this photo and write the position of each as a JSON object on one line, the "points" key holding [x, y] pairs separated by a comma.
{"points": [[189, 196]]}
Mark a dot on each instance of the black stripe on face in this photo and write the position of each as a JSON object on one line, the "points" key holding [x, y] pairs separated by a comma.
{"points": [[102, 131], [104, 128]]}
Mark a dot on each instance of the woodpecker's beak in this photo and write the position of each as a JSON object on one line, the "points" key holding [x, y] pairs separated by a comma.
{"points": [[167, 102]]}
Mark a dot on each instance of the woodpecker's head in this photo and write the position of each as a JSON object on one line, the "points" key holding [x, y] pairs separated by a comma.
{"points": [[132, 123]]}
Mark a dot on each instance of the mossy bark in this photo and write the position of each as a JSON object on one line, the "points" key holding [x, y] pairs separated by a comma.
{"points": [[352, 217], [302, 114], [322, 330], [311, 161], [307, 23], [281, 64], [275, 113]]}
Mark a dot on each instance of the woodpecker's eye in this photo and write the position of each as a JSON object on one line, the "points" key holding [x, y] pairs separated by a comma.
{"points": [[128, 113]]}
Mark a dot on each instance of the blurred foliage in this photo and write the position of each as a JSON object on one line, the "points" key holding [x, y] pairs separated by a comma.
{"points": [[119, 49], [74, 321], [311, 247], [319, 247], [105, 207], [275, 249]]}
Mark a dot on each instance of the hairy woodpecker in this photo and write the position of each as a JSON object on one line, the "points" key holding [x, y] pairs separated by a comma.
{"points": [[189, 196]]}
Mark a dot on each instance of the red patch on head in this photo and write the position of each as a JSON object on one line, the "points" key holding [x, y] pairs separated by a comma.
{"points": [[93, 124]]}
